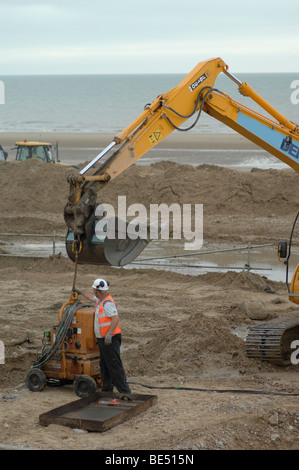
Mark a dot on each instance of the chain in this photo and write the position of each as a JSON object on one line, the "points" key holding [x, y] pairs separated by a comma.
{"points": [[76, 250], [75, 271]]}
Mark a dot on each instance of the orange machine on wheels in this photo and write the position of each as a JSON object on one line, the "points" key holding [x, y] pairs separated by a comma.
{"points": [[70, 353]]}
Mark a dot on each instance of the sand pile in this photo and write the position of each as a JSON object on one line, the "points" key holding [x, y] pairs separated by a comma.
{"points": [[221, 190], [36, 186], [177, 329], [35, 194]]}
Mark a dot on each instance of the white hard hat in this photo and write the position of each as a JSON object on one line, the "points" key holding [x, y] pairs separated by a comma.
{"points": [[100, 284]]}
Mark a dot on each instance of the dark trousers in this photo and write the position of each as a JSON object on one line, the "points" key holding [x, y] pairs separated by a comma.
{"points": [[111, 366]]}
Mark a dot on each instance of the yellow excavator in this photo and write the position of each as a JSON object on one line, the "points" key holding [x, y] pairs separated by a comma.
{"points": [[40, 150], [196, 93], [73, 339]]}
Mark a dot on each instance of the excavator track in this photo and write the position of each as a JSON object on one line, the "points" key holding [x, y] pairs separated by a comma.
{"points": [[271, 341]]}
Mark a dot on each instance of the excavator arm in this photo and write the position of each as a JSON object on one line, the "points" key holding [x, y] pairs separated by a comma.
{"points": [[195, 93], [281, 138]]}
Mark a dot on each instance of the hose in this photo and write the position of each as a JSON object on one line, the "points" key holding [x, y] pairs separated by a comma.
{"points": [[238, 391], [209, 89], [63, 326]]}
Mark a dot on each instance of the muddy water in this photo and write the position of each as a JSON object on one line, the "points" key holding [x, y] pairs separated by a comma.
{"points": [[171, 256]]}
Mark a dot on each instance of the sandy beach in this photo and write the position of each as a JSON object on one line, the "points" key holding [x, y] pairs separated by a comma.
{"points": [[183, 335], [229, 150], [91, 142]]}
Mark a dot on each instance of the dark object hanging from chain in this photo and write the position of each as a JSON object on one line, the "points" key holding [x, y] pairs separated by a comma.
{"points": [[76, 248]]}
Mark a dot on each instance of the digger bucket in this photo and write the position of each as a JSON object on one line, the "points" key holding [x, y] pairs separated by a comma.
{"points": [[119, 251]]}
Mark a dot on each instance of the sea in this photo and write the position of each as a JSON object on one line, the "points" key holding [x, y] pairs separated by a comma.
{"points": [[108, 103]]}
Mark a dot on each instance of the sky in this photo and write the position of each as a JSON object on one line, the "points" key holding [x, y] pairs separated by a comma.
{"points": [[138, 36]]}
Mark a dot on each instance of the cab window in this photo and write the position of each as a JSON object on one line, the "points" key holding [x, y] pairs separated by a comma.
{"points": [[22, 154], [39, 152]]}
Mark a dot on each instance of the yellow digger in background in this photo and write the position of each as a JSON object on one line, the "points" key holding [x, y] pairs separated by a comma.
{"points": [[41, 150]]}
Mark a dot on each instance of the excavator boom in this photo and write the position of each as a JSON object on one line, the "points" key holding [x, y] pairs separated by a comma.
{"points": [[169, 111], [143, 134], [281, 138], [196, 93]]}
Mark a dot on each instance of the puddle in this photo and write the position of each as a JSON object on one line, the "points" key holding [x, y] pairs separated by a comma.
{"points": [[171, 256], [38, 250], [166, 256]]}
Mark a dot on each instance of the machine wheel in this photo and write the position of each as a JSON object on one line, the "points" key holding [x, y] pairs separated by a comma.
{"points": [[84, 385], [36, 380]]}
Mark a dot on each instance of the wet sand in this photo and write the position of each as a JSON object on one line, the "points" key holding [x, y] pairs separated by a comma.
{"points": [[101, 140], [230, 150], [181, 333]]}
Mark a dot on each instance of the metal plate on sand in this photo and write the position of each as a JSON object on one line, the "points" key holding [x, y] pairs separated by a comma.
{"points": [[98, 412]]}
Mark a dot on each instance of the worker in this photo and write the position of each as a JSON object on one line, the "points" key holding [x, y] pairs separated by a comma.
{"points": [[108, 334]]}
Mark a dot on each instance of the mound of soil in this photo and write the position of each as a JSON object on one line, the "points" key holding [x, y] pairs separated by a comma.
{"points": [[183, 335]]}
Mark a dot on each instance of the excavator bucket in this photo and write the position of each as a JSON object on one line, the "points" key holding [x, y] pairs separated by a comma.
{"points": [[118, 251]]}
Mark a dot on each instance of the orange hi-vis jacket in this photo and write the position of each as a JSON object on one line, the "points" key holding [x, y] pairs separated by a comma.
{"points": [[102, 322]]}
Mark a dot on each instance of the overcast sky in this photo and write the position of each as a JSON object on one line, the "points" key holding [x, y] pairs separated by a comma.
{"points": [[155, 36]]}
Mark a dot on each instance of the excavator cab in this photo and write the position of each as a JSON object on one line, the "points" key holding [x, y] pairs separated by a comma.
{"points": [[40, 150], [294, 287], [284, 254]]}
